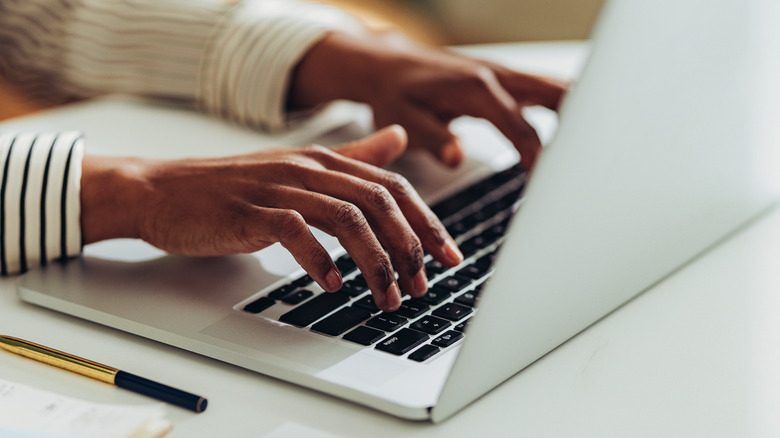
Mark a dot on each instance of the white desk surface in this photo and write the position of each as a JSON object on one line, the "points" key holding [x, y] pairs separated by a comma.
{"points": [[695, 356]]}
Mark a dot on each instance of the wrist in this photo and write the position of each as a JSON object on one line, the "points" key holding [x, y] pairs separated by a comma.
{"points": [[340, 67], [111, 191]]}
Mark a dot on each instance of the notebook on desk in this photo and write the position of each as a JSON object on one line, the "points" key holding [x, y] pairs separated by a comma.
{"points": [[661, 153]]}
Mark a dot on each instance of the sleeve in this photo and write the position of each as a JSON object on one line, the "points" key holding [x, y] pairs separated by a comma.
{"points": [[40, 178], [234, 60]]}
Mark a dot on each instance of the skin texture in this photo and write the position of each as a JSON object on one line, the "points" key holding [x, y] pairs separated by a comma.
{"points": [[423, 89], [241, 204]]}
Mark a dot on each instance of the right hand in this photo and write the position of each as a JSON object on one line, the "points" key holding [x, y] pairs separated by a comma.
{"points": [[423, 89], [241, 204]]}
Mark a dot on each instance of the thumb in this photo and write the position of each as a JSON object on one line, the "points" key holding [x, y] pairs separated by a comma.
{"points": [[378, 149]]}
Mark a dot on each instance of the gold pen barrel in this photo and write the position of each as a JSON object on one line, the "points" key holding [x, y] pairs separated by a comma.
{"points": [[59, 359]]}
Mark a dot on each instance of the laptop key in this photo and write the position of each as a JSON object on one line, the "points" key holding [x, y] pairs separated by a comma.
{"points": [[474, 270], [435, 295], [457, 229], [447, 338], [360, 280], [367, 303], [298, 296], [412, 308], [387, 322], [353, 288], [480, 241], [424, 353], [282, 291], [452, 311], [402, 342], [485, 263], [434, 268], [303, 281], [364, 335], [346, 265], [259, 305], [496, 231], [430, 324], [454, 282], [314, 309], [468, 299], [461, 327], [341, 321]]}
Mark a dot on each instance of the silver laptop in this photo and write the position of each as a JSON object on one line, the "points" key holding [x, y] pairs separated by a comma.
{"points": [[665, 146]]}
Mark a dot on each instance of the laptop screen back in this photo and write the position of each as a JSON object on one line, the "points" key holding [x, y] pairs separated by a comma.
{"points": [[662, 150]]}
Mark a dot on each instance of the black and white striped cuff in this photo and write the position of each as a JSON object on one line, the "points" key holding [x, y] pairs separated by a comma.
{"points": [[40, 204]]}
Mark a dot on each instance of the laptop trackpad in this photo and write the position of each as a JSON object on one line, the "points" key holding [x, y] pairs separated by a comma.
{"points": [[261, 338]]}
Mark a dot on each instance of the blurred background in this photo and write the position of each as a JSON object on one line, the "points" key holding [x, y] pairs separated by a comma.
{"points": [[455, 22]]}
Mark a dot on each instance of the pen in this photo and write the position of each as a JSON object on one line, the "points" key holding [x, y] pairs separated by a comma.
{"points": [[104, 373]]}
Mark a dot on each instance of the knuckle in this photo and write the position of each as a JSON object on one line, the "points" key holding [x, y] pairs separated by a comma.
{"points": [[481, 77], [436, 229], [399, 186], [414, 256], [315, 151], [238, 213], [383, 271], [289, 225], [347, 216], [242, 220], [319, 258], [377, 196], [290, 166]]}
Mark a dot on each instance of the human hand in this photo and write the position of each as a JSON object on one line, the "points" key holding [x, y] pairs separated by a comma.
{"points": [[424, 89], [241, 204]]}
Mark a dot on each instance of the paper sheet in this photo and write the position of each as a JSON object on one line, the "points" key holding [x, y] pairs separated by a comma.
{"points": [[31, 412]]}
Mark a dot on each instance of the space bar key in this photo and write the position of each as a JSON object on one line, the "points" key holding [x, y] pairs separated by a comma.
{"points": [[314, 309]]}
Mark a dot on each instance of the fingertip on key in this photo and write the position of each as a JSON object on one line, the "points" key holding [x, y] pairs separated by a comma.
{"points": [[451, 253], [392, 299]]}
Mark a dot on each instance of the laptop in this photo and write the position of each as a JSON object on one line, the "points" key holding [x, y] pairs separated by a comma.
{"points": [[664, 148]]}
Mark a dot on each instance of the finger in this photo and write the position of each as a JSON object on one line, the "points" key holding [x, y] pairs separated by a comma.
{"points": [[378, 149], [347, 223], [289, 228], [532, 89], [451, 152], [491, 101], [524, 137], [432, 234], [429, 132], [386, 220]]}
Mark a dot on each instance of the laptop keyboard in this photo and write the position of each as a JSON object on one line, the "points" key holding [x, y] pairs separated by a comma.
{"points": [[476, 217]]}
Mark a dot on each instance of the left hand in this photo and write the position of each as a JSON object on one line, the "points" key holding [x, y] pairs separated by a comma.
{"points": [[241, 204], [424, 89]]}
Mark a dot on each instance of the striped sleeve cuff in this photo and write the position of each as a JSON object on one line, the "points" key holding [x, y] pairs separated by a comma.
{"points": [[248, 67], [231, 60], [39, 199]]}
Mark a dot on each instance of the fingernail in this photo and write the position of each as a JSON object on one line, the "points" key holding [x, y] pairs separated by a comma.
{"points": [[398, 129], [420, 282], [333, 280], [379, 300], [392, 299], [452, 253]]}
